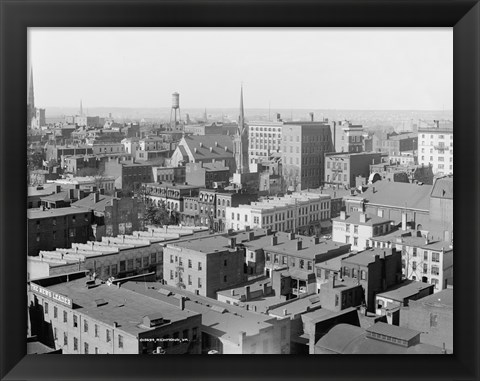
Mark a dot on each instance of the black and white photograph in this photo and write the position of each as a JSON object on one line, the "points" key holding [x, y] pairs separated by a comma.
{"points": [[240, 191]]}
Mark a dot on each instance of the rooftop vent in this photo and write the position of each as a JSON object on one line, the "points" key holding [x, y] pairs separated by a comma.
{"points": [[99, 302], [153, 320]]}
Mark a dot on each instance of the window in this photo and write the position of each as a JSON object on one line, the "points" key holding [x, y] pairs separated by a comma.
{"points": [[109, 338], [64, 316], [199, 282], [75, 344], [346, 271], [65, 338], [267, 257], [434, 282], [302, 263], [224, 278], [435, 270], [414, 266], [120, 341], [189, 263], [347, 239], [46, 308], [75, 321], [354, 273], [190, 280], [363, 275], [55, 311], [355, 241], [425, 268], [194, 333], [96, 330], [171, 274], [85, 348], [153, 259], [425, 255], [414, 252], [185, 334], [347, 227], [336, 300], [85, 326], [199, 265]]}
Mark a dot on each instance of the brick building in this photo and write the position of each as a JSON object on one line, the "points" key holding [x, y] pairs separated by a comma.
{"points": [[79, 315], [48, 229]]}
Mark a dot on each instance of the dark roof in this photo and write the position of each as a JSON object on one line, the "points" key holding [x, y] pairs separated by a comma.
{"points": [[354, 218], [441, 298], [89, 202], [368, 256], [443, 188], [406, 289], [399, 195], [202, 144], [60, 196]]}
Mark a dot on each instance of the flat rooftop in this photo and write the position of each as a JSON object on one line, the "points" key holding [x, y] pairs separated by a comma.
{"points": [[368, 256], [297, 306], [219, 319], [124, 306], [59, 212], [404, 290]]}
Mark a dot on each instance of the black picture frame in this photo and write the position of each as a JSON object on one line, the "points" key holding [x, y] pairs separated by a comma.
{"points": [[17, 15]]}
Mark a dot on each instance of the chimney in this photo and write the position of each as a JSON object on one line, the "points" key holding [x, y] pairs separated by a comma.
{"points": [[182, 302], [299, 244], [316, 240], [115, 324], [232, 292], [58, 189], [233, 242], [404, 221], [265, 289], [343, 215], [247, 228], [251, 236], [363, 218], [311, 116], [94, 189], [285, 312], [278, 117], [334, 280], [247, 293], [291, 236], [117, 194], [96, 197], [102, 191], [274, 240]]}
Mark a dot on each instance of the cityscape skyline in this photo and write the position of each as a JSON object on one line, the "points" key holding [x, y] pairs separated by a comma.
{"points": [[268, 65]]}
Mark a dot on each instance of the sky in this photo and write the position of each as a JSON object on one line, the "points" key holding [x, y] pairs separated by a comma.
{"points": [[318, 68]]}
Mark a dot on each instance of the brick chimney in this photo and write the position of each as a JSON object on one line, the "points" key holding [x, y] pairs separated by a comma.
{"points": [[299, 244], [182, 302], [363, 218], [247, 293], [96, 197], [251, 236]]}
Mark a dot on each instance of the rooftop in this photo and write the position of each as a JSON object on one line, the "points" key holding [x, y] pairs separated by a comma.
{"points": [[366, 257], [406, 289], [443, 187], [124, 306], [89, 202], [59, 212], [219, 319], [297, 306], [442, 298], [349, 339], [199, 146], [354, 218], [403, 195], [402, 333]]}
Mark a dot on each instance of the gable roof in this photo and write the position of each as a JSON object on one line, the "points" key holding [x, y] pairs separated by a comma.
{"points": [[199, 146]]}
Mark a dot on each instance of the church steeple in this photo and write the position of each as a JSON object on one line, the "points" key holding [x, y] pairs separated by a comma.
{"points": [[81, 108], [30, 94], [241, 140]]}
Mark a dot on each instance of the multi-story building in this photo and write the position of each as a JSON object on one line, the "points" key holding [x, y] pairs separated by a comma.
{"points": [[230, 199], [299, 254], [106, 148], [48, 229], [435, 146], [55, 152], [358, 229], [375, 270], [80, 315], [347, 137], [204, 265], [264, 139], [226, 328], [74, 164], [401, 173], [423, 258], [113, 215], [131, 145], [169, 194], [297, 212], [433, 316], [395, 144], [204, 149], [207, 175], [128, 174], [343, 168], [216, 128], [303, 148], [169, 174]]}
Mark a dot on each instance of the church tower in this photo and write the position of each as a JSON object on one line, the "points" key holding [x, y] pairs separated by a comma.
{"points": [[240, 142], [31, 113]]}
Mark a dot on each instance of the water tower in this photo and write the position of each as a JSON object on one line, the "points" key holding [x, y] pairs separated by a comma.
{"points": [[174, 110]]}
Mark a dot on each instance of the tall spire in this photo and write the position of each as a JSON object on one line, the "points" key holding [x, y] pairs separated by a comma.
{"points": [[30, 94], [205, 116], [241, 118], [81, 108]]}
